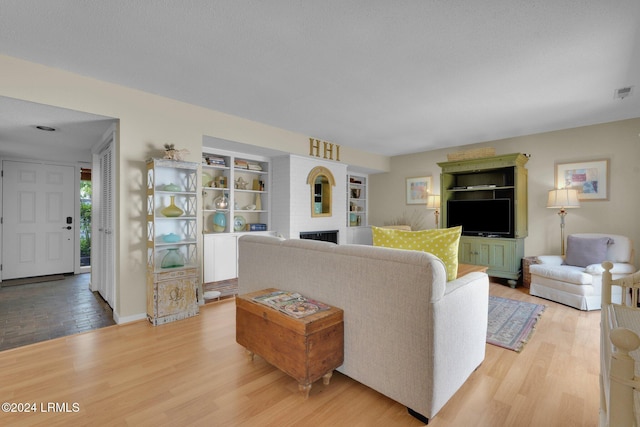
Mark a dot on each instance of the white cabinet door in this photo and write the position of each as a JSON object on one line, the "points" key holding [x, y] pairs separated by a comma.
{"points": [[220, 257]]}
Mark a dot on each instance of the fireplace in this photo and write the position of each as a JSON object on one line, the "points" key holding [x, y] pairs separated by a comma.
{"points": [[325, 236]]}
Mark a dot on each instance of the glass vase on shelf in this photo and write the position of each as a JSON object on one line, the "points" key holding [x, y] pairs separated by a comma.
{"points": [[172, 259], [172, 210], [221, 202]]}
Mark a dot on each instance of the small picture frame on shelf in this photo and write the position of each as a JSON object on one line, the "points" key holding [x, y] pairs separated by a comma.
{"points": [[417, 190]]}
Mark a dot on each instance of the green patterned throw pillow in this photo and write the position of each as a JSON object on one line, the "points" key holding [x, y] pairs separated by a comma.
{"points": [[442, 243]]}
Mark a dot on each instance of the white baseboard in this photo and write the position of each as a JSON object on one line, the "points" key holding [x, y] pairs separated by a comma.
{"points": [[128, 319]]}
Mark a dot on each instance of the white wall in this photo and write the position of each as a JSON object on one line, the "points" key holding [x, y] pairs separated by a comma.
{"points": [[617, 141]]}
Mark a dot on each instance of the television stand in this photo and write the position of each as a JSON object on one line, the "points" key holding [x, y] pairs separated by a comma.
{"points": [[497, 245]]}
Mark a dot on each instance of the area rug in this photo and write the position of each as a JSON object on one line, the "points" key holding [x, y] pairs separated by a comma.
{"points": [[511, 322]]}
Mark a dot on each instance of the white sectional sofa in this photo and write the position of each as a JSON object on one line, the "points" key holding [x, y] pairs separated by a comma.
{"points": [[409, 334]]}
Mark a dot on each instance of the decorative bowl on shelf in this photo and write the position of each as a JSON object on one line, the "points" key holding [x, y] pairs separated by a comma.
{"points": [[171, 187], [250, 207], [171, 238], [239, 223]]}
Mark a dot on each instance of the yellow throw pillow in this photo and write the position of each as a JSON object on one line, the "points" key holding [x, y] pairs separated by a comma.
{"points": [[442, 243]]}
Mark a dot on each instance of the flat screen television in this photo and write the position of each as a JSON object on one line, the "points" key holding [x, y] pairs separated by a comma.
{"points": [[481, 217]]}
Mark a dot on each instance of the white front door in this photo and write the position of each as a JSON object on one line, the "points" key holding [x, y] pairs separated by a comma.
{"points": [[38, 226]]}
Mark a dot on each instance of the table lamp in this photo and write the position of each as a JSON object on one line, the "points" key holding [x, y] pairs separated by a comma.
{"points": [[563, 199]]}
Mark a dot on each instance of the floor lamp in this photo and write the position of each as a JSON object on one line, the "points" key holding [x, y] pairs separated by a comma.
{"points": [[563, 199], [433, 202]]}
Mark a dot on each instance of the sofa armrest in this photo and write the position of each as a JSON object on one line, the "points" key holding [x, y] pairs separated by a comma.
{"points": [[463, 281], [550, 259], [459, 331]]}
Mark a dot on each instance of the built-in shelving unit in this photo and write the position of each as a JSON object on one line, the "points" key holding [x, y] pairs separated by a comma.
{"points": [[245, 182], [356, 200], [172, 244]]}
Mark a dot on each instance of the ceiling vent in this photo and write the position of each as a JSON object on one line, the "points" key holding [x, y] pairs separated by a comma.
{"points": [[623, 92]]}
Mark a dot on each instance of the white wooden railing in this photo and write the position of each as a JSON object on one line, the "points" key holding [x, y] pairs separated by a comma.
{"points": [[620, 329]]}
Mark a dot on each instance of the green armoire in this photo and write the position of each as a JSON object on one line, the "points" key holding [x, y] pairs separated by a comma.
{"points": [[490, 196]]}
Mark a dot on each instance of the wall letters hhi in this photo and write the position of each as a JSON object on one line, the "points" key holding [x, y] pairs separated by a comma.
{"points": [[327, 149]]}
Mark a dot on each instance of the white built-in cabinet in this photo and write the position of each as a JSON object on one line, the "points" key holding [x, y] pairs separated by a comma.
{"points": [[220, 254]]}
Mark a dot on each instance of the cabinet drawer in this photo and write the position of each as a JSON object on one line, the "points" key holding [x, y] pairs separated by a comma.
{"points": [[176, 274]]}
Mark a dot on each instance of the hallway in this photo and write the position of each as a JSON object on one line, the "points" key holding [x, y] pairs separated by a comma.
{"points": [[37, 312]]}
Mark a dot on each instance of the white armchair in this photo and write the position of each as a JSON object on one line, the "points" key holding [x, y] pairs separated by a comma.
{"points": [[580, 285]]}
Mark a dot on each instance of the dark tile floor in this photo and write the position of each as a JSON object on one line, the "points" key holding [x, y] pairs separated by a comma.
{"points": [[41, 311]]}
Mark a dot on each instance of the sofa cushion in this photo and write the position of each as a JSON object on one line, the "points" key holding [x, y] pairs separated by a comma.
{"points": [[442, 243], [561, 273], [584, 251]]}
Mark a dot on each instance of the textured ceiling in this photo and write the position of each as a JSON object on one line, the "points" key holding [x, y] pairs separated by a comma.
{"points": [[390, 77]]}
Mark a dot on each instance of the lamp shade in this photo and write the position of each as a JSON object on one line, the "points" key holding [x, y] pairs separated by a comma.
{"points": [[563, 198], [433, 201]]}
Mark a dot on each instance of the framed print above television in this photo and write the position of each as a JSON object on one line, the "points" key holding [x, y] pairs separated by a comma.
{"points": [[591, 178], [418, 190]]}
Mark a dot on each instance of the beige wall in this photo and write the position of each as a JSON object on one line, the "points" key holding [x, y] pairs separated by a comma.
{"points": [[618, 141], [146, 122]]}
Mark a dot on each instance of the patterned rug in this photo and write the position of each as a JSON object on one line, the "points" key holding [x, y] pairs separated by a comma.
{"points": [[511, 322]]}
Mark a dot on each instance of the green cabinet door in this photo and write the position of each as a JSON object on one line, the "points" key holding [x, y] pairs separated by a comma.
{"points": [[501, 256]]}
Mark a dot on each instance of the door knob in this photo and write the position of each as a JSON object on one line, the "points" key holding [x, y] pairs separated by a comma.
{"points": [[68, 227]]}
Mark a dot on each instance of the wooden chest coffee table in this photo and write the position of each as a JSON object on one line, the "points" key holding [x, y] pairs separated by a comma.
{"points": [[307, 349], [464, 269]]}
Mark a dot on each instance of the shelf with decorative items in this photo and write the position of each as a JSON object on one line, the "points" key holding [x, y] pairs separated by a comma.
{"points": [[250, 195], [172, 243], [235, 194], [356, 200], [216, 174]]}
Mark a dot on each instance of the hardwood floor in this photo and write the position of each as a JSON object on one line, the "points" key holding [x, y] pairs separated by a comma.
{"points": [[192, 372], [42, 310]]}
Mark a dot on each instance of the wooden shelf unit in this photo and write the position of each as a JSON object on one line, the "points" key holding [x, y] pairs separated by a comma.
{"points": [[172, 293]]}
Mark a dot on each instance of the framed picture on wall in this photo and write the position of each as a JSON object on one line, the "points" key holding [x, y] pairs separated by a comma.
{"points": [[591, 178], [418, 189]]}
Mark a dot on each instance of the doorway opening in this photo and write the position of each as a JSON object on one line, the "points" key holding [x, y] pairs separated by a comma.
{"points": [[85, 217]]}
